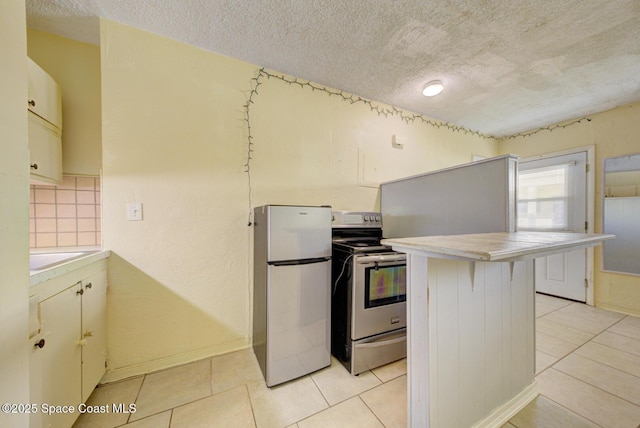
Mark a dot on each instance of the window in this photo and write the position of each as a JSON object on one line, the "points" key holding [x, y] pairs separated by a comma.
{"points": [[544, 198], [385, 285]]}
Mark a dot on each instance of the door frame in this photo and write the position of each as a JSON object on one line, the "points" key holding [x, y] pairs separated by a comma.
{"points": [[590, 208]]}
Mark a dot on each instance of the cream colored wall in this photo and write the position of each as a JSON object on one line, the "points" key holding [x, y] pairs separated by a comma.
{"points": [[76, 68], [614, 133], [180, 280], [312, 148], [14, 213]]}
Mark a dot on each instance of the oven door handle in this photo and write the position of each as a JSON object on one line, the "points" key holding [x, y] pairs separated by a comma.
{"points": [[381, 343], [381, 258]]}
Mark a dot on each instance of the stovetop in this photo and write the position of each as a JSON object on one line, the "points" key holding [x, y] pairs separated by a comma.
{"points": [[360, 245], [357, 231]]}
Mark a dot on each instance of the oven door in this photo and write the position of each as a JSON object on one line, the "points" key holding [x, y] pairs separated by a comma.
{"points": [[379, 294]]}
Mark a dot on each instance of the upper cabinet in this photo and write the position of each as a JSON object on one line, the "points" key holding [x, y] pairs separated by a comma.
{"points": [[45, 146], [45, 97], [45, 125]]}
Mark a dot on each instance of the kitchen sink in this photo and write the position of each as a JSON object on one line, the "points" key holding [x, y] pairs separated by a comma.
{"points": [[48, 260]]}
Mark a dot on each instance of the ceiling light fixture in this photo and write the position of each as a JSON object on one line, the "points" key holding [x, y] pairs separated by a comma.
{"points": [[433, 88]]}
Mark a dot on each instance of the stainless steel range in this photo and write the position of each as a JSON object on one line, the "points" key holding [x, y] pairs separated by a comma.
{"points": [[368, 302]]}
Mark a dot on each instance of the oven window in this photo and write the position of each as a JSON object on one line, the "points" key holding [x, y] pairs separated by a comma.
{"points": [[385, 285]]}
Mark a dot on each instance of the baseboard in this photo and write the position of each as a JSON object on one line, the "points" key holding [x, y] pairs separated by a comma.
{"points": [[174, 360], [502, 414]]}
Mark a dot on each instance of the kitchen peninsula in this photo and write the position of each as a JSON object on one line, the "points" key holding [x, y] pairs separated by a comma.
{"points": [[471, 323]]}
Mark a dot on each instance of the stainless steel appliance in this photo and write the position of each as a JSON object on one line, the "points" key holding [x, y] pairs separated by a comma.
{"points": [[291, 301], [368, 302]]}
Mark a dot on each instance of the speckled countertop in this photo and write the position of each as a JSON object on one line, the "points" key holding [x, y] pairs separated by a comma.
{"points": [[503, 246]]}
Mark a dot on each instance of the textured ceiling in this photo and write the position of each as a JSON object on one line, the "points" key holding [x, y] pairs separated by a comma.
{"points": [[508, 66]]}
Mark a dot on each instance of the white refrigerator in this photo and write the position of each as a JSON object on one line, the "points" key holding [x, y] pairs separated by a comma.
{"points": [[292, 290]]}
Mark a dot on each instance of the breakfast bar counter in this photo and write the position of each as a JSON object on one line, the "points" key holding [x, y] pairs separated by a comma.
{"points": [[471, 323]]}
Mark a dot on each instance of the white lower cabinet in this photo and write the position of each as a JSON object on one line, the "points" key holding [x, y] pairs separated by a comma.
{"points": [[93, 329], [58, 361], [68, 355]]}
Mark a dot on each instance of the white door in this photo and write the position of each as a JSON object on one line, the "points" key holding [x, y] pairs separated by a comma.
{"points": [[552, 197]]}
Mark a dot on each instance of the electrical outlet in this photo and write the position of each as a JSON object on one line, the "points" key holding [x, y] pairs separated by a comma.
{"points": [[134, 211]]}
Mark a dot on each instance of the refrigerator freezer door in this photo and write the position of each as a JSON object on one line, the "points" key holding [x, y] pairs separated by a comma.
{"points": [[298, 320], [298, 232]]}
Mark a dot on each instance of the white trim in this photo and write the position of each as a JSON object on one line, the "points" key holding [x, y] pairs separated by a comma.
{"points": [[502, 414], [591, 156], [174, 360]]}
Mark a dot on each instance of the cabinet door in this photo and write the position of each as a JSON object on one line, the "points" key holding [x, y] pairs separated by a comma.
{"points": [[94, 325], [36, 375], [60, 358], [44, 94], [45, 144]]}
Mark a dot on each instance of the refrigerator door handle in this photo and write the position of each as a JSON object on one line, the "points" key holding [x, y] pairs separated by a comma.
{"points": [[300, 262]]}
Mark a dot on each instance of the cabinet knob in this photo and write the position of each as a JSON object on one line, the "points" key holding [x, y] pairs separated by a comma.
{"points": [[82, 342], [89, 285], [39, 344], [34, 166], [32, 103], [80, 292], [88, 333]]}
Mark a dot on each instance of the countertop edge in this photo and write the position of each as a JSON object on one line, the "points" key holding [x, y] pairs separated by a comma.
{"points": [[442, 246], [67, 267]]}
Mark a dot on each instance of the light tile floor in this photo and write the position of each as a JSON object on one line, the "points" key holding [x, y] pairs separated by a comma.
{"points": [[588, 372]]}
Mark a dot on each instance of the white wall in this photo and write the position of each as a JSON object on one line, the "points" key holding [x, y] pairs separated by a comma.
{"points": [[175, 139], [14, 213]]}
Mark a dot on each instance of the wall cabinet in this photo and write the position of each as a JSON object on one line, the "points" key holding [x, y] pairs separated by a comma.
{"points": [[45, 125], [45, 97], [69, 354], [45, 144]]}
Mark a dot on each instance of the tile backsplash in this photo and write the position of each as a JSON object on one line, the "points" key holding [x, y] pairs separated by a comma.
{"points": [[67, 215]]}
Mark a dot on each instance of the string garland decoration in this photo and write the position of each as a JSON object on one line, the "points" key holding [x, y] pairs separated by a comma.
{"points": [[255, 83], [382, 111], [389, 111], [548, 128]]}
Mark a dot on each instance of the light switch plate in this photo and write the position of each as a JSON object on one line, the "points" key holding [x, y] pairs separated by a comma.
{"points": [[134, 211]]}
